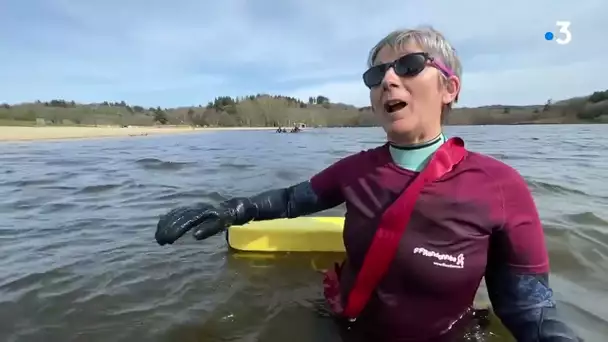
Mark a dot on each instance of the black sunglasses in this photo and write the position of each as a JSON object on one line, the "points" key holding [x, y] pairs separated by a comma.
{"points": [[409, 65]]}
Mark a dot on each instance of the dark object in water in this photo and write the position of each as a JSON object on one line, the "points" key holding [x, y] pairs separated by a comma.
{"points": [[294, 130]]}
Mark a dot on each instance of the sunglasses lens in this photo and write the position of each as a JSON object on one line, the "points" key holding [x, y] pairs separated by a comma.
{"points": [[410, 65], [406, 66], [374, 75]]}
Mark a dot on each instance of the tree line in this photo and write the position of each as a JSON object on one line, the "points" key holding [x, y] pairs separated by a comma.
{"points": [[251, 110], [278, 110]]}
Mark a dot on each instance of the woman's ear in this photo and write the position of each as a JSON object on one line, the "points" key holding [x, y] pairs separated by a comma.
{"points": [[451, 90]]}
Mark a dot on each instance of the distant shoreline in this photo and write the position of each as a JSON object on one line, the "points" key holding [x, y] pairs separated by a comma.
{"points": [[41, 133]]}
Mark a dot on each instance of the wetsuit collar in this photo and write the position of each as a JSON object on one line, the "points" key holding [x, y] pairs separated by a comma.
{"points": [[414, 157]]}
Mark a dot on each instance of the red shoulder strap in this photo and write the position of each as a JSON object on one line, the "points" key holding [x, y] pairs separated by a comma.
{"points": [[393, 224]]}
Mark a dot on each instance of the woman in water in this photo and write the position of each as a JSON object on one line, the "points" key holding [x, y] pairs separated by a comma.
{"points": [[478, 220]]}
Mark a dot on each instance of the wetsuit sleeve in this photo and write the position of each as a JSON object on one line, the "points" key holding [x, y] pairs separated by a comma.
{"points": [[517, 275], [323, 191], [327, 184]]}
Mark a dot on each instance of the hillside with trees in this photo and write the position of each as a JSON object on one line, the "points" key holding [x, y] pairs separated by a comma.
{"points": [[276, 110]]}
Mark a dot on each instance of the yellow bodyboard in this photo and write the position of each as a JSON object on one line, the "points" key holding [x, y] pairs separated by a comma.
{"points": [[302, 234]]}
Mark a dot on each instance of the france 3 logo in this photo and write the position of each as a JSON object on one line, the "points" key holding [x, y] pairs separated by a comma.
{"points": [[564, 35]]}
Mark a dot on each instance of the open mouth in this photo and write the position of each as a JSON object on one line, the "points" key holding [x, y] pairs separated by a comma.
{"points": [[393, 106]]}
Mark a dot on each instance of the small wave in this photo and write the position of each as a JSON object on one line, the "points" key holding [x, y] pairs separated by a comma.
{"points": [[23, 280], [499, 156], [237, 166], [59, 188], [339, 153], [137, 199], [95, 189], [170, 196], [288, 175], [587, 218], [522, 157], [49, 208], [24, 204], [553, 188], [372, 142], [28, 183], [71, 162], [157, 164]]}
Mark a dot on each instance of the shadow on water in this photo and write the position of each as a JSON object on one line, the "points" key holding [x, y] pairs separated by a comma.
{"points": [[79, 261]]}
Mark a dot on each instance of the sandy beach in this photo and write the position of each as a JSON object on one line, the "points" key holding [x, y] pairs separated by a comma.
{"points": [[17, 133]]}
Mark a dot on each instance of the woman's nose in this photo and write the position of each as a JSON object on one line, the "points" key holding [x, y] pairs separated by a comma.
{"points": [[390, 80]]}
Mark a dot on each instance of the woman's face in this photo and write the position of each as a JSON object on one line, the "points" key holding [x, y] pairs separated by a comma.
{"points": [[420, 99]]}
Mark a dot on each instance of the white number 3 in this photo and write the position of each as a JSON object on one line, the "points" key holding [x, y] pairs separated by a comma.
{"points": [[564, 28]]}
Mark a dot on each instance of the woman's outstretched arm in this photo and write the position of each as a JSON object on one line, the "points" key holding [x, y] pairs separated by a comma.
{"points": [[321, 192]]}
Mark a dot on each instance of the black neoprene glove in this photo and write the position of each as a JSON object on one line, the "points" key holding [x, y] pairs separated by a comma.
{"points": [[206, 220], [203, 219]]}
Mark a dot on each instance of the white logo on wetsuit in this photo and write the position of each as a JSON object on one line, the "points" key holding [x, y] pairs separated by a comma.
{"points": [[445, 260]]}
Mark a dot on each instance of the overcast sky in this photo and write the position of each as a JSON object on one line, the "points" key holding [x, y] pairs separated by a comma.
{"points": [[185, 52]]}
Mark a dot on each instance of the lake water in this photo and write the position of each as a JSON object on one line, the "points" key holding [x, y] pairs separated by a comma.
{"points": [[78, 260]]}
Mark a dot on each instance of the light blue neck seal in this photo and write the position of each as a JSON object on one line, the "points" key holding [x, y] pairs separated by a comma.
{"points": [[415, 157]]}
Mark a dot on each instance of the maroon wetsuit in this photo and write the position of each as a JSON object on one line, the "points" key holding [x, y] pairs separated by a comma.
{"points": [[480, 214], [478, 220]]}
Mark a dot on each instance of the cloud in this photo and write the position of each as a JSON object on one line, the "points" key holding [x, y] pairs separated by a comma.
{"points": [[182, 52]]}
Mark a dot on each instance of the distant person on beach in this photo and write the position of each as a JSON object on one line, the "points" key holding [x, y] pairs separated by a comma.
{"points": [[476, 218]]}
